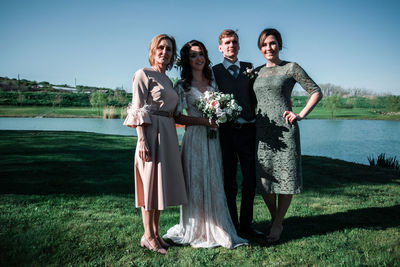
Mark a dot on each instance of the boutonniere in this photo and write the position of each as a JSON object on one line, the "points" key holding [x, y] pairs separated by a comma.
{"points": [[249, 72]]}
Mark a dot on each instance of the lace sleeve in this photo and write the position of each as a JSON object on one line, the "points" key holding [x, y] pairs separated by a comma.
{"points": [[138, 110], [304, 80], [182, 103]]}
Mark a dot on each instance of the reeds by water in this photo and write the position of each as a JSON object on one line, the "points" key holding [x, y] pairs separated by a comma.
{"points": [[124, 113], [384, 162], [110, 112]]}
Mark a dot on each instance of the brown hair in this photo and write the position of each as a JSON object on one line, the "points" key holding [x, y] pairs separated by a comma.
{"points": [[154, 44], [186, 73], [227, 33], [265, 33]]}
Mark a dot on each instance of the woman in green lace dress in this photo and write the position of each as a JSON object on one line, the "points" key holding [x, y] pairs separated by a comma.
{"points": [[278, 166]]}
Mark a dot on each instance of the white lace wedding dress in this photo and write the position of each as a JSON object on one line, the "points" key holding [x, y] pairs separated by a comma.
{"points": [[205, 220]]}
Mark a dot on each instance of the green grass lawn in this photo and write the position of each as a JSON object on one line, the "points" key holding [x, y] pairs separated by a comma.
{"points": [[353, 113], [67, 199], [88, 112], [50, 112]]}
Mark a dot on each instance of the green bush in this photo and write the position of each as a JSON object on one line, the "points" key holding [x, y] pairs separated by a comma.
{"points": [[332, 103], [392, 103], [301, 101], [98, 100]]}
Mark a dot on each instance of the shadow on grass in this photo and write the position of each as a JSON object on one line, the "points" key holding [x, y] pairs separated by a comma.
{"points": [[70, 178], [45, 162], [34, 162], [325, 174], [300, 227]]}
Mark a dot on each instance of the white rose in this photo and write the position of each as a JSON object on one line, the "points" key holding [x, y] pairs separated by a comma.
{"points": [[223, 118]]}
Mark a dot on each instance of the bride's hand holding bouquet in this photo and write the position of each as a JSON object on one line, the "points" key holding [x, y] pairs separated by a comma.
{"points": [[219, 107]]}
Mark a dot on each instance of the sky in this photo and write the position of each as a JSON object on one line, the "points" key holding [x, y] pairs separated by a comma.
{"points": [[353, 44]]}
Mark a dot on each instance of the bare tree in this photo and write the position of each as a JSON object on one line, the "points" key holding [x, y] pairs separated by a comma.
{"points": [[329, 89]]}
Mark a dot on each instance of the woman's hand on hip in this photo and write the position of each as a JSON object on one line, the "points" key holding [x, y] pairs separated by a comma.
{"points": [[144, 151], [291, 117]]}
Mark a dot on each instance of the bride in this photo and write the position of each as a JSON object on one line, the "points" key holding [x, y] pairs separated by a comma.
{"points": [[204, 221]]}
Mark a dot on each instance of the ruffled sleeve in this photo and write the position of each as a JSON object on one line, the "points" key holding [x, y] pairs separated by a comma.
{"points": [[138, 110], [304, 80], [182, 103]]}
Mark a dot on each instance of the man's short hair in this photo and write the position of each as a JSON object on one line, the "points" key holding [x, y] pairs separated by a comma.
{"points": [[227, 33]]}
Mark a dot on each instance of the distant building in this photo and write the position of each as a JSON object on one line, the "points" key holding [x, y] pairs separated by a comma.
{"points": [[65, 88]]}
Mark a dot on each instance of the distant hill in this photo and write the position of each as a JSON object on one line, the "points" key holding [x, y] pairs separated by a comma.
{"points": [[12, 84]]}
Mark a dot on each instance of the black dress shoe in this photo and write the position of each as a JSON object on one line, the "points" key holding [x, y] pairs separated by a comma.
{"points": [[251, 232]]}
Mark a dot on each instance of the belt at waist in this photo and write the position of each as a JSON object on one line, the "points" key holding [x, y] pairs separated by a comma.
{"points": [[162, 113]]}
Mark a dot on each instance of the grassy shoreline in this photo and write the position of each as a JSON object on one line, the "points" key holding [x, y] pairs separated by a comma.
{"points": [[67, 198], [88, 112]]}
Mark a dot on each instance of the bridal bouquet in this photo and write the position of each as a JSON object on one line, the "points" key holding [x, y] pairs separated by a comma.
{"points": [[219, 107]]}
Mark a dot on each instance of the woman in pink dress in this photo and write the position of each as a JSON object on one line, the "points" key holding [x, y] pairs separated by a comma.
{"points": [[159, 181]]}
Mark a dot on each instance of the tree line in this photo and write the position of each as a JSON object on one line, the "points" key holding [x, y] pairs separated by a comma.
{"points": [[32, 93], [116, 98]]}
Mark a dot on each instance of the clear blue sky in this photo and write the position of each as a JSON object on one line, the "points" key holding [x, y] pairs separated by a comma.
{"points": [[102, 43]]}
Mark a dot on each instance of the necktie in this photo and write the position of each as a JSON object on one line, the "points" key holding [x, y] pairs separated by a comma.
{"points": [[234, 70]]}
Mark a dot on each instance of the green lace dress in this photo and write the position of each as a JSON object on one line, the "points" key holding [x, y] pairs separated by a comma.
{"points": [[278, 162]]}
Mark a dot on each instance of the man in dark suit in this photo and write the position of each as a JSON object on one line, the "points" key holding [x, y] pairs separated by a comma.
{"points": [[238, 139]]}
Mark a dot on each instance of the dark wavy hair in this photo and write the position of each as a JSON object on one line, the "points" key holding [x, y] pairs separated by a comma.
{"points": [[186, 69]]}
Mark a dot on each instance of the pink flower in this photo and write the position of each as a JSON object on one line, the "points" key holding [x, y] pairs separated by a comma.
{"points": [[215, 103]]}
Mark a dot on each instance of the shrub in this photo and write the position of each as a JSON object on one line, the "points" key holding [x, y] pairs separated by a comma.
{"points": [[299, 101], [384, 162], [98, 100], [392, 103], [332, 103]]}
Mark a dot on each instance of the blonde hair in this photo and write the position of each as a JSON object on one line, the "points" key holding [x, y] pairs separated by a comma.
{"points": [[154, 44], [227, 33]]}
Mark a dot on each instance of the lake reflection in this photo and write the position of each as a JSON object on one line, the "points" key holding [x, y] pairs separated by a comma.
{"points": [[350, 140], [67, 124]]}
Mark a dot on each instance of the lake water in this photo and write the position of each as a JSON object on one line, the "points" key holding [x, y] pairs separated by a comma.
{"points": [[350, 140]]}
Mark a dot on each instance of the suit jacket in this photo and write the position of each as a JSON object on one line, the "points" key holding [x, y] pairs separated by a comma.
{"points": [[241, 88]]}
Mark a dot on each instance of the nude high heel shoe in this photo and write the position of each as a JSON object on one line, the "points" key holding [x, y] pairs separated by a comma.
{"points": [[156, 247]]}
